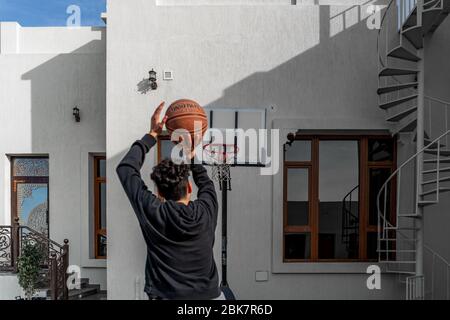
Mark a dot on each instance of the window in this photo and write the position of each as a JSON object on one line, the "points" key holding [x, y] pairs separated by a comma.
{"points": [[29, 183], [100, 236], [165, 147], [331, 185]]}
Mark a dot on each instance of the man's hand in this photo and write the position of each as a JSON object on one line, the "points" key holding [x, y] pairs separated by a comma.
{"points": [[156, 125]]}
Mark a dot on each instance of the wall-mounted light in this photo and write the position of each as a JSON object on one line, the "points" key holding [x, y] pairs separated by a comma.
{"points": [[291, 139], [152, 79], [76, 114]]}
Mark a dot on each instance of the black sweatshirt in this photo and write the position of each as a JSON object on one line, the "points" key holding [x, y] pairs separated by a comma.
{"points": [[180, 262]]}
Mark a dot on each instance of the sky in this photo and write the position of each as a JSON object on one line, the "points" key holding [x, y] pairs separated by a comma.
{"points": [[33, 13]]}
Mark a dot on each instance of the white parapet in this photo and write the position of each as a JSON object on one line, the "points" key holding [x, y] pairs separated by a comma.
{"points": [[9, 37]]}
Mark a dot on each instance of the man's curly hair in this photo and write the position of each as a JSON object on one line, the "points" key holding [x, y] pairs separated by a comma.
{"points": [[171, 179]]}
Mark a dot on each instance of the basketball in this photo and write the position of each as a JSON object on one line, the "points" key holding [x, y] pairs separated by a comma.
{"points": [[182, 114]]}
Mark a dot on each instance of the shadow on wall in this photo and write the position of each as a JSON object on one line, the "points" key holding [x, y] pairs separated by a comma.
{"points": [[144, 86], [335, 78], [58, 85]]}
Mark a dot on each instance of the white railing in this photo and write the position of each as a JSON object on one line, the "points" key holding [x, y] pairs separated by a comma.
{"points": [[415, 288], [437, 112], [439, 276], [395, 181]]}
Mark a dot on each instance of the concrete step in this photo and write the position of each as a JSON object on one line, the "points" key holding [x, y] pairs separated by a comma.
{"points": [[82, 293]]}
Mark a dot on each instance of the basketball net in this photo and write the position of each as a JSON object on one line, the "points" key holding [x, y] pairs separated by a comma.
{"points": [[221, 157]]}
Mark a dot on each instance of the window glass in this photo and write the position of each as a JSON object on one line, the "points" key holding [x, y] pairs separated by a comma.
{"points": [[102, 205], [166, 149], [30, 167], [297, 246], [297, 196], [300, 150], [377, 177], [381, 149], [101, 245], [338, 199], [372, 240], [101, 168]]}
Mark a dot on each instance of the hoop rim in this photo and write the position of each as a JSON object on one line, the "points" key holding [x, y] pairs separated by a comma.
{"points": [[222, 159]]}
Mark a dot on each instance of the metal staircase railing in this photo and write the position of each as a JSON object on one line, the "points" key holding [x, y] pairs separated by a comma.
{"points": [[439, 277], [53, 265], [404, 25], [350, 220], [396, 241]]}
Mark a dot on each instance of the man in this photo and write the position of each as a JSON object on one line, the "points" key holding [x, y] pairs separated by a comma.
{"points": [[179, 233]]}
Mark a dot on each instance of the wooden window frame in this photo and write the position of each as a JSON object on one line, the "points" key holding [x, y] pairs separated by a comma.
{"points": [[98, 180], [313, 193]]}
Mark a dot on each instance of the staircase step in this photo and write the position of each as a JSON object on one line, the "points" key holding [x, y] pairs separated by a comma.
{"points": [[442, 152], [428, 144], [441, 190], [390, 239], [411, 20], [426, 203], [442, 160], [432, 18], [400, 271], [435, 180], [399, 116], [397, 87], [401, 52], [408, 124], [399, 229], [393, 103], [399, 262], [84, 282], [410, 215], [84, 292], [430, 4], [387, 72], [414, 35], [446, 169]]}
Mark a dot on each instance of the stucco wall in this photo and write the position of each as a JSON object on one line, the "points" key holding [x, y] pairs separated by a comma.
{"points": [[315, 66], [44, 74]]}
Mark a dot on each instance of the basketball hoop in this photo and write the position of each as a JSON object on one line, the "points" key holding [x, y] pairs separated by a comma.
{"points": [[220, 157]]}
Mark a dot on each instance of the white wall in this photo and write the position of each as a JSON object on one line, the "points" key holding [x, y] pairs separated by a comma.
{"points": [[317, 74], [10, 288], [42, 77]]}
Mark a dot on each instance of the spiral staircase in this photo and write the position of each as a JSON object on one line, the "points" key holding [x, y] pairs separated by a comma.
{"points": [[405, 25]]}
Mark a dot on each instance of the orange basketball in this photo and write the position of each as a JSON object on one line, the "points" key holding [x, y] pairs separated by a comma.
{"points": [[183, 113]]}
